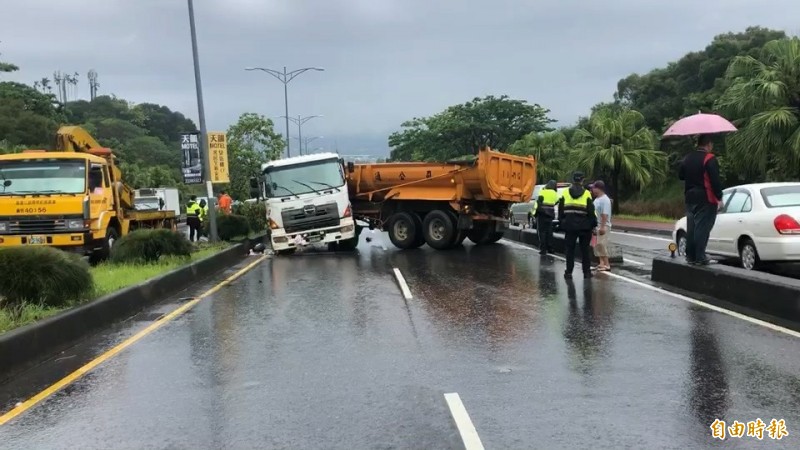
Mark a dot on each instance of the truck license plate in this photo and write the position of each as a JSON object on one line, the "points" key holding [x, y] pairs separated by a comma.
{"points": [[37, 240], [314, 238]]}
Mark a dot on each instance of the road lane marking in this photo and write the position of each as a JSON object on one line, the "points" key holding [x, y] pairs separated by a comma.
{"points": [[468, 432], [752, 320], [402, 282], [74, 376], [728, 312], [643, 236], [633, 261]]}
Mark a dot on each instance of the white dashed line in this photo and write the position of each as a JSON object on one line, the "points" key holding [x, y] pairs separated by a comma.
{"points": [[468, 432], [402, 282], [735, 314]]}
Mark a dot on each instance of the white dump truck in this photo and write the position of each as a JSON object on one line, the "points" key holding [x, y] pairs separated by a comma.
{"points": [[307, 202]]}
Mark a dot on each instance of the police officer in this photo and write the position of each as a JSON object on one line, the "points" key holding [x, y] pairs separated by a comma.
{"points": [[203, 217], [576, 213], [193, 212], [545, 213]]}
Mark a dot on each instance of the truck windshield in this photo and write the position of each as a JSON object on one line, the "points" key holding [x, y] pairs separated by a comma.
{"points": [[304, 178], [42, 177]]}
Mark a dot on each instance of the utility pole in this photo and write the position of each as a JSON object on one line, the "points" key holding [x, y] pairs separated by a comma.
{"points": [[285, 77], [212, 210]]}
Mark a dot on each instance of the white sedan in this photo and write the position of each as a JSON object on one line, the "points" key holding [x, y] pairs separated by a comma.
{"points": [[757, 223]]}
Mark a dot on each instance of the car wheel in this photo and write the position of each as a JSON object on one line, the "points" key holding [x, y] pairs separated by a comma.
{"points": [[748, 255], [681, 243]]}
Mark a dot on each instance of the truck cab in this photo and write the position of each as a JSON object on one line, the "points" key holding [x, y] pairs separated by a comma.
{"points": [[73, 198], [307, 202]]}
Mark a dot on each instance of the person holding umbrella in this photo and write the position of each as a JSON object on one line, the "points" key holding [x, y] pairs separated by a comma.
{"points": [[699, 172]]}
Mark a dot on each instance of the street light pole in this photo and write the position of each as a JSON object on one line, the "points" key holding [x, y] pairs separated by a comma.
{"points": [[212, 210], [285, 77], [300, 121], [307, 141]]}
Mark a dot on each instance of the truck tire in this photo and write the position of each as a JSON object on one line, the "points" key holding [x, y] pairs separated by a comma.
{"points": [[108, 243], [405, 230], [439, 229], [460, 235], [481, 233], [495, 236]]}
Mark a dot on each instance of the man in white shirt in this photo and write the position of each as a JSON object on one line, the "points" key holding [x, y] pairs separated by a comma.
{"points": [[602, 205]]}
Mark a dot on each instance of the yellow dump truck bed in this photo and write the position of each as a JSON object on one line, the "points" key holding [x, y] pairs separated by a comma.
{"points": [[492, 176]]}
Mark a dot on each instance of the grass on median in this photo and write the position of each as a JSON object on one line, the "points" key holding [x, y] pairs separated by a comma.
{"points": [[107, 278]]}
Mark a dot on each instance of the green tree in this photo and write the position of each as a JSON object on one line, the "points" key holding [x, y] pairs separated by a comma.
{"points": [[693, 82], [252, 141], [459, 130], [27, 117], [618, 144], [7, 67], [550, 150], [764, 102]]}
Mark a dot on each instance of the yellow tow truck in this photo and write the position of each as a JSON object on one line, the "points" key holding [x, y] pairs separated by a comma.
{"points": [[73, 198]]}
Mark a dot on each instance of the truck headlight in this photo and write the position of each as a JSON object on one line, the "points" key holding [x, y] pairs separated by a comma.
{"points": [[3, 227], [347, 228], [75, 224]]}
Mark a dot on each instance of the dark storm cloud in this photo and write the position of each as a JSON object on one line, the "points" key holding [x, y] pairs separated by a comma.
{"points": [[385, 60]]}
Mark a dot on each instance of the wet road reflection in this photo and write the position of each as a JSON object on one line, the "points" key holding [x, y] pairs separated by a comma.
{"points": [[321, 350]]}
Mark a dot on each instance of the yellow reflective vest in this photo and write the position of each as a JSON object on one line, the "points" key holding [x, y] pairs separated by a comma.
{"points": [[576, 205], [193, 209]]}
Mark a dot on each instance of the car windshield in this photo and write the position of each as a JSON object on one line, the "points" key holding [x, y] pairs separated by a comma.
{"points": [[43, 176], [781, 196], [304, 178]]}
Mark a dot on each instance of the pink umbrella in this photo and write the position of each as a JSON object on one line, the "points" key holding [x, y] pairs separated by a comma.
{"points": [[700, 124]]}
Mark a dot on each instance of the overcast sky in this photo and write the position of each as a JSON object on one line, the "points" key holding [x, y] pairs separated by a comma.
{"points": [[385, 60]]}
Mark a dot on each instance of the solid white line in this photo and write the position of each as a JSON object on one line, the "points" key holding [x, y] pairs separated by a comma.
{"points": [[468, 432], [643, 236], [633, 261], [735, 314], [403, 285], [706, 305]]}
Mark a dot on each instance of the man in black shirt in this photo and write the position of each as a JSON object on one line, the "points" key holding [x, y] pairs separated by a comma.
{"points": [[703, 194]]}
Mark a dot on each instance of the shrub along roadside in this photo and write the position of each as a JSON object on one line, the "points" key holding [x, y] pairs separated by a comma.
{"points": [[104, 278], [148, 246]]}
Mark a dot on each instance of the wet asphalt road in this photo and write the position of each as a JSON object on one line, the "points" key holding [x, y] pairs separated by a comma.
{"points": [[323, 351]]}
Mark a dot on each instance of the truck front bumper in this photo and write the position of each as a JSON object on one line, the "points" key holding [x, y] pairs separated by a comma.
{"points": [[77, 242], [284, 241]]}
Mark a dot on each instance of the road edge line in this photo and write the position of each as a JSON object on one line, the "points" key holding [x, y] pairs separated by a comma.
{"points": [[693, 301], [110, 353], [469, 435], [403, 285]]}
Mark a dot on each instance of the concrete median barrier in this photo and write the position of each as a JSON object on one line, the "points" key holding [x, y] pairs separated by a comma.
{"points": [[769, 297], [27, 345], [530, 237]]}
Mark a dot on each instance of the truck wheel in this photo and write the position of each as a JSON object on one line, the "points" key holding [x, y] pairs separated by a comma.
{"points": [[460, 235], [495, 236], [405, 230], [480, 233], [348, 245], [439, 229], [108, 243]]}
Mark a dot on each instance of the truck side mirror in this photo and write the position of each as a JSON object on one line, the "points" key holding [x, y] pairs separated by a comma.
{"points": [[255, 189], [351, 167]]}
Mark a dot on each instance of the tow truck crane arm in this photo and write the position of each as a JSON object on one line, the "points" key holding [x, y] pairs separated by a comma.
{"points": [[75, 139]]}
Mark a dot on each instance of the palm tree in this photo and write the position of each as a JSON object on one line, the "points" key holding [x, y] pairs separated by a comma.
{"points": [[763, 101], [618, 143], [550, 150]]}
